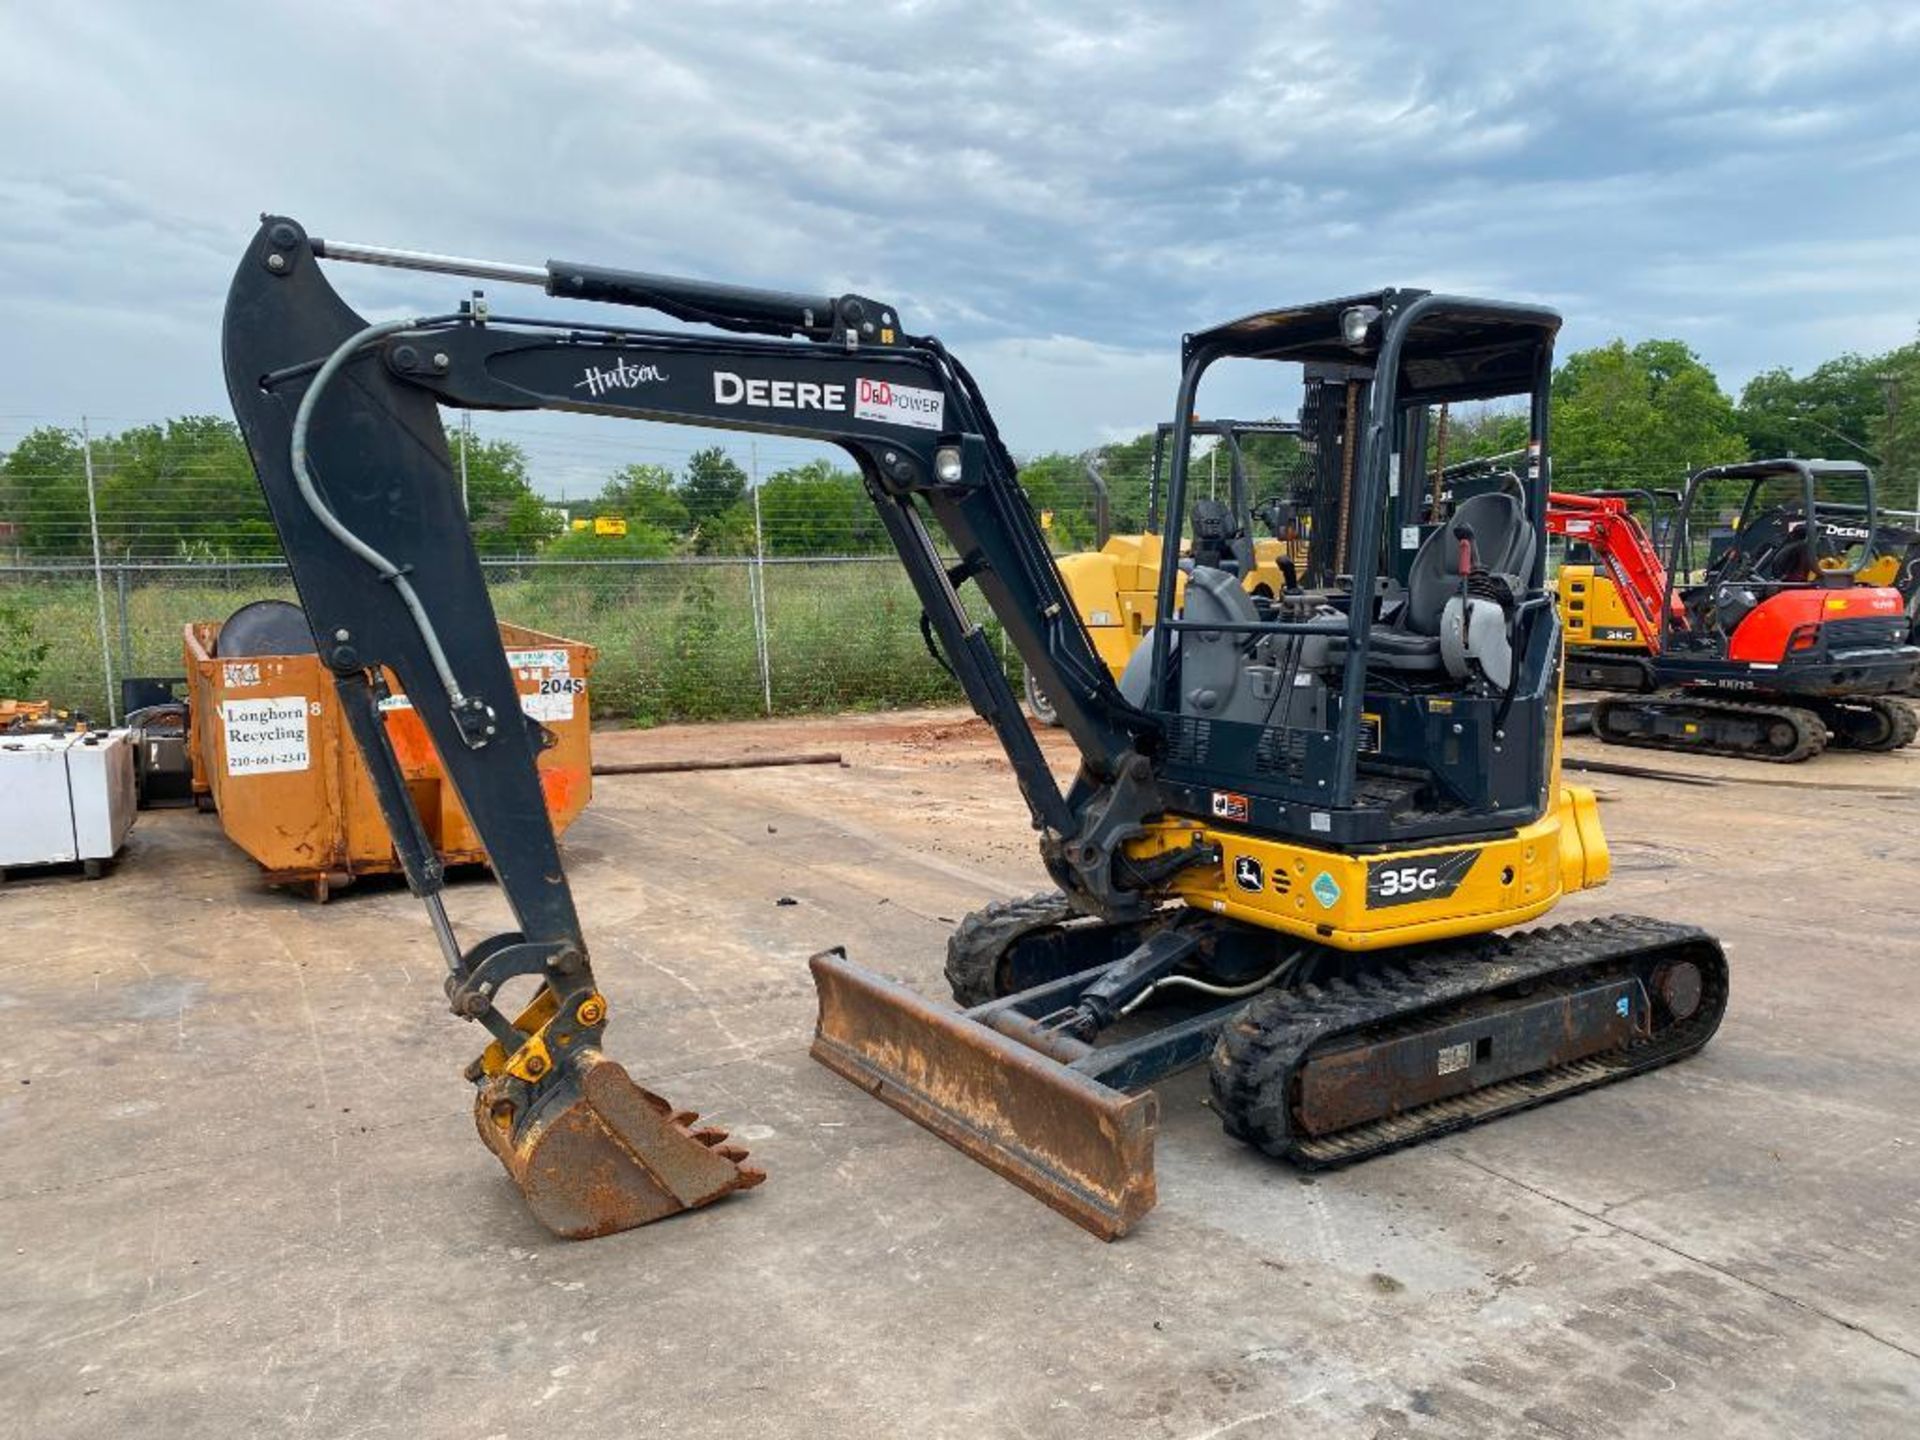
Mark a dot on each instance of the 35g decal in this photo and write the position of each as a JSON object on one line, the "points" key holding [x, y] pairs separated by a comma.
{"points": [[1423, 877]]}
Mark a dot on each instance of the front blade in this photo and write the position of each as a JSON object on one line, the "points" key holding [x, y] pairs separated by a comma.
{"points": [[597, 1153], [1083, 1148]]}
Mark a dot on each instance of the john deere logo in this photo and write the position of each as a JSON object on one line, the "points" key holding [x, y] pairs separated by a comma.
{"points": [[1326, 890]]}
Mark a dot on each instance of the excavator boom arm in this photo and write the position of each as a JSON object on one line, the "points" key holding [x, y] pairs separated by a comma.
{"points": [[1606, 524], [341, 417]]}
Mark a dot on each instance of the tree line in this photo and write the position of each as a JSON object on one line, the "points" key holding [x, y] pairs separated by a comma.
{"points": [[1640, 415]]}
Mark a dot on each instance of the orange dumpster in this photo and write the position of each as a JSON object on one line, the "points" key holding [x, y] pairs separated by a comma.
{"points": [[272, 752]]}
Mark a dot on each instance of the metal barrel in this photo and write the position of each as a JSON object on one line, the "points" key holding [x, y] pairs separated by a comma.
{"points": [[1083, 1148]]}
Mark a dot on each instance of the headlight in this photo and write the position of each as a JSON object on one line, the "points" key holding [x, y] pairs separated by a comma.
{"points": [[947, 468], [1356, 321]]}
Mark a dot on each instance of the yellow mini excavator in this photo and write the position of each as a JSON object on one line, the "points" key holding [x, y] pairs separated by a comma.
{"points": [[1299, 833]]}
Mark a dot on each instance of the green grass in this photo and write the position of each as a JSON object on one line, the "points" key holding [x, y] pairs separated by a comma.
{"points": [[676, 642]]}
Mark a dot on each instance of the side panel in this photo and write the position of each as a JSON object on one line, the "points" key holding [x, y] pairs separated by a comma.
{"points": [[1592, 611], [1374, 901], [1763, 635]]}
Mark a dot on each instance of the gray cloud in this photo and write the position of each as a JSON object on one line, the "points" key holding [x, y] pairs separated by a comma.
{"points": [[1060, 190]]}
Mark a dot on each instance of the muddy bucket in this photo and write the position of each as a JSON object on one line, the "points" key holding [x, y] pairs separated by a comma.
{"points": [[593, 1152]]}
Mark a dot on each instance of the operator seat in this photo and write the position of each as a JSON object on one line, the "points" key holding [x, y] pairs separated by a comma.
{"points": [[1410, 642], [1218, 540], [1794, 561]]}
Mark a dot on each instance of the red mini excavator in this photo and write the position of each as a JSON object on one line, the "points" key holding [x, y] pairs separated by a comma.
{"points": [[1774, 650]]}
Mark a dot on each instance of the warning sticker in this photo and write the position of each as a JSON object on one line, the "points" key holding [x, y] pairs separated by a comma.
{"points": [[899, 404], [1454, 1057], [1369, 733], [265, 736], [1229, 806]]}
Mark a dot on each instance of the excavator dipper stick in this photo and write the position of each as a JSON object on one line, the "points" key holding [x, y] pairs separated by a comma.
{"points": [[357, 475]]}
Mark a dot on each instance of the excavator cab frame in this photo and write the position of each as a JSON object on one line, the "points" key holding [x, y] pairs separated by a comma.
{"points": [[1780, 549], [1749, 547], [1422, 349]]}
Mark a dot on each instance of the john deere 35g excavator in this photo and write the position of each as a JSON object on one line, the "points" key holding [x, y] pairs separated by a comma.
{"points": [[1295, 828]]}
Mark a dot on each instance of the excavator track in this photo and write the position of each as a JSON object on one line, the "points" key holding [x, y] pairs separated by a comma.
{"points": [[980, 942], [1708, 725], [1872, 722], [1011, 945], [1333, 1073]]}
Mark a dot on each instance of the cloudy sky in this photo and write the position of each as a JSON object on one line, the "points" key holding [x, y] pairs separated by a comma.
{"points": [[1058, 190]]}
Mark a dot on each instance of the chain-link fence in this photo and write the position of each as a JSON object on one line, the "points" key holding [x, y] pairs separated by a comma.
{"points": [[679, 639], [716, 583]]}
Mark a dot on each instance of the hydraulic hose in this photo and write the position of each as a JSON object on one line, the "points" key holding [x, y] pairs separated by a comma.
{"points": [[1207, 987], [391, 573]]}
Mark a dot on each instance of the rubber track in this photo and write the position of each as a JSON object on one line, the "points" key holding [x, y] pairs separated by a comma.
{"points": [[975, 947], [1898, 717], [1811, 730], [1258, 1058]]}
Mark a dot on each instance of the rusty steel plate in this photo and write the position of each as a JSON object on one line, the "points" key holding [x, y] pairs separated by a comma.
{"points": [[1083, 1148]]}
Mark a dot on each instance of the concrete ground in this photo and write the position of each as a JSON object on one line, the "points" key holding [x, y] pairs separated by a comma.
{"points": [[240, 1192]]}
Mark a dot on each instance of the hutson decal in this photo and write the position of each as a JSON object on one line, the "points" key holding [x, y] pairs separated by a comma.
{"points": [[1423, 877], [623, 376]]}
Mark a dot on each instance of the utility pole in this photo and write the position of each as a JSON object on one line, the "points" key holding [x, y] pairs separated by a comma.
{"points": [[99, 574]]}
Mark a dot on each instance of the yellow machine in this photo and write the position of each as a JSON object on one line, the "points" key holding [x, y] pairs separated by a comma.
{"points": [[1595, 616], [1114, 589], [1300, 828]]}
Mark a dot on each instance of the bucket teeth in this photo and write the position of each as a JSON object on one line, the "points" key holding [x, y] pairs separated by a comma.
{"points": [[595, 1153]]}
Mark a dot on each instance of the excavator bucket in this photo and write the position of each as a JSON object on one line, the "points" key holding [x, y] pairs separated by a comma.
{"points": [[1083, 1148], [597, 1153]]}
